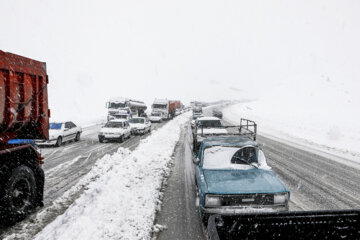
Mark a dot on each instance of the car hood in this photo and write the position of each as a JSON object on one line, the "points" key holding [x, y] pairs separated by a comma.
{"points": [[211, 131], [243, 181], [54, 133], [111, 130]]}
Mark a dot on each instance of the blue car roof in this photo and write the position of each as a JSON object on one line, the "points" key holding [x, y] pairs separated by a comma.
{"points": [[231, 141]]}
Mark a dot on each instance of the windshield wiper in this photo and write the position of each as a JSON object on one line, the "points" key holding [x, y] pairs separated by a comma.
{"points": [[246, 162]]}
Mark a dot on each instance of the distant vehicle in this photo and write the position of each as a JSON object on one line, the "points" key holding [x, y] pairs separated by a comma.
{"points": [[177, 112], [24, 117], [197, 110], [206, 127], [61, 132], [155, 117], [118, 129], [232, 176], [165, 107], [140, 125], [119, 105], [217, 113]]}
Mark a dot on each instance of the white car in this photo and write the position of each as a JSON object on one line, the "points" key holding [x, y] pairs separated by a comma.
{"points": [[140, 125], [177, 112], [155, 117], [117, 129], [60, 132]]}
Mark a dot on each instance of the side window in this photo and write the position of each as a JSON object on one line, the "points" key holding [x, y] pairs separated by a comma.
{"points": [[67, 125], [72, 125]]}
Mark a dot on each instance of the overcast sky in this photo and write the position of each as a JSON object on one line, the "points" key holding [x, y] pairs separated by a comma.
{"points": [[188, 49]]}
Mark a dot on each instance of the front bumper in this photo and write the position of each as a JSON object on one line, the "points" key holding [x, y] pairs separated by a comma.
{"points": [[45, 142], [231, 210], [137, 131], [109, 136]]}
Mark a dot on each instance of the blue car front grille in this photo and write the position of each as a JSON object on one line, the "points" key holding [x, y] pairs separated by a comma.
{"points": [[247, 199]]}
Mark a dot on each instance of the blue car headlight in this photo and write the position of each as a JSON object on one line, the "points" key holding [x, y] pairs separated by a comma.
{"points": [[212, 201]]}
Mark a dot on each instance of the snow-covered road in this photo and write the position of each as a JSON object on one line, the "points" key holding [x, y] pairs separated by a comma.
{"points": [[64, 167], [78, 206], [315, 181]]}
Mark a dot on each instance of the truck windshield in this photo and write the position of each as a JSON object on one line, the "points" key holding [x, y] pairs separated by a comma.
{"points": [[116, 105], [162, 106], [114, 125], [55, 126], [136, 120]]}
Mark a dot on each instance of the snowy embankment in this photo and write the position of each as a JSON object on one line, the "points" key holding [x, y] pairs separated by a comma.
{"points": [[322, 116], [121, 203]]}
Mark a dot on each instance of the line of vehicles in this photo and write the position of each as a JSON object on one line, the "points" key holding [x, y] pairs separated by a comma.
{"points": [[240, 197], [231, 174], [24, 125]]}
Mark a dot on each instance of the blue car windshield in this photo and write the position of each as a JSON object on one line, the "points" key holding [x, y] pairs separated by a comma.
{"points": [[55, 126], [219, 157]]}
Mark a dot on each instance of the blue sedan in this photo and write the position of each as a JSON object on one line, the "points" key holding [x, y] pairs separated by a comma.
{"points": [[232, 177]]}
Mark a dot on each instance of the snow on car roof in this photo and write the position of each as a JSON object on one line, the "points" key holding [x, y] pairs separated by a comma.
{"points": [[208, 118]]}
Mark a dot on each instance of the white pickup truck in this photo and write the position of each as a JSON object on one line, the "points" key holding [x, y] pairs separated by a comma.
{"points": [[117, 129]]}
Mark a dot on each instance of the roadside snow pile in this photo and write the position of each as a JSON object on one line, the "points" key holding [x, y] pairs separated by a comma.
{"points": [[322, 114], [121, 203]]}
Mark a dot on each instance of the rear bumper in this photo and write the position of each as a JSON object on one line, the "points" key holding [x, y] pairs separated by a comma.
{"points": [[228, 210]]}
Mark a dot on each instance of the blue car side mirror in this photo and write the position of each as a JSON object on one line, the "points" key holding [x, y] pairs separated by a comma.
{"points": [[196, 160]]}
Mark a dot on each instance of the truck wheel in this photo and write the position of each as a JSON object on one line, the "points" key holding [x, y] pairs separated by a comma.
{"points": [[77, 138], [149, 129], [121, 139], [20, 194], [101, 139], [58, 142]]}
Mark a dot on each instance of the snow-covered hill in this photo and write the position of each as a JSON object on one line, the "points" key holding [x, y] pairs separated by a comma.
{"points": [[318, 112]]}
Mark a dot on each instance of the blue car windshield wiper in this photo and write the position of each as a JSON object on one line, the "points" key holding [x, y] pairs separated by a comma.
{"points": [[246, 162]]}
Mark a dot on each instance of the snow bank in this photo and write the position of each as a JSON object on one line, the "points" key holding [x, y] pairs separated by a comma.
{"points": [[121, 203], [322, 114]]}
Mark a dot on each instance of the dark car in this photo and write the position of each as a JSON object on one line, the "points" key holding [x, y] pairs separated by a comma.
{"points": [[217, 113]]}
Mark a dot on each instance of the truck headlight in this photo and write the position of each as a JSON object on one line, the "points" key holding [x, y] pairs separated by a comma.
{"points": [[281, 198], [212, 201]]}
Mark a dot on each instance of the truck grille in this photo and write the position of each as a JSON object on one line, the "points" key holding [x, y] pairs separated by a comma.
{"points": [[247, 199]]}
